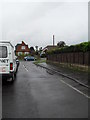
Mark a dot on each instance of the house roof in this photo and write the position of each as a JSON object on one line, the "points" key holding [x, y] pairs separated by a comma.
{"points": [[17, 49], [17, 46], [49, 47]]}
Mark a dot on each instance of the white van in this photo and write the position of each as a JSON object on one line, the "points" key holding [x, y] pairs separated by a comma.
{"points": [[7, 60]]}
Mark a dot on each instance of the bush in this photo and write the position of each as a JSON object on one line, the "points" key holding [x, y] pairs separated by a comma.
{"points": [[21, 57], [43, 56], [82, 47]]}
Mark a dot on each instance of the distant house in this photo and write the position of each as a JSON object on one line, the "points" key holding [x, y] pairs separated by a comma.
{"points": [[49, 47], [22, 49]]}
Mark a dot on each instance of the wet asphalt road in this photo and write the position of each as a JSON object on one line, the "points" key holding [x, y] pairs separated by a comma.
{"points": [[37, 93]]}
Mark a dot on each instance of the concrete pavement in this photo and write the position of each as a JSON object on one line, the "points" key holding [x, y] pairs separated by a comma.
{"points": [[79, 75]]}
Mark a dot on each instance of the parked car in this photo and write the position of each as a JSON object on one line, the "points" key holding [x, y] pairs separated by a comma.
{"points": [[29, 58], [8, 66]]}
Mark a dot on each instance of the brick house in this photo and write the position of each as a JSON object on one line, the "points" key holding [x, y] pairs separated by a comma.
{"points": [[22, 49]]}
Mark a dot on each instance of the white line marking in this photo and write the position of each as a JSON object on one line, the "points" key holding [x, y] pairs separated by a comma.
{"points": [[75, 89], [25, 68]]}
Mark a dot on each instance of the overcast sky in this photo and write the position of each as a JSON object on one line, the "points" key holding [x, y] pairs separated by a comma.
{"points": [[36, 22]]}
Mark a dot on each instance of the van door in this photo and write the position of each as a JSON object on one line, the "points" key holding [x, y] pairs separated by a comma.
{"points": [[4, 60]]}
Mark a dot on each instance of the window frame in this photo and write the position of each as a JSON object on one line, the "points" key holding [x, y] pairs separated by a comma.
{"points": [[6, 52], [23, 47]]}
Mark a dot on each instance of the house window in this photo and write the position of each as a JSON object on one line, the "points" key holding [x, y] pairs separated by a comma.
{"points": [[26, 53], [23, 47], [19, 53]]}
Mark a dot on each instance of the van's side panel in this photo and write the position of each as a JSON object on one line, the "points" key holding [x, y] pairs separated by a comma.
{"points": [[12, 59]]}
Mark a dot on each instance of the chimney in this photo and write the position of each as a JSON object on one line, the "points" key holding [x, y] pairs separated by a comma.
{"points": [[53, 40]]}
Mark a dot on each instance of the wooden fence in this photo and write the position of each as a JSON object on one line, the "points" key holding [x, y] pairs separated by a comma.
{"points": [[81, 58]]}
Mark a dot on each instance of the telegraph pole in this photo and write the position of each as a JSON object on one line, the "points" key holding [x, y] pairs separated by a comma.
{"points": [[53, 39]]}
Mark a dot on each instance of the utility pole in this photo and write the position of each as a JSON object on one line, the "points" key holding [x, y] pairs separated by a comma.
{"points": [[53, 40]]}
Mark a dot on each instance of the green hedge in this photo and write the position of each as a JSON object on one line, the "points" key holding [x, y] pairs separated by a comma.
{"points": [[82, 47]]}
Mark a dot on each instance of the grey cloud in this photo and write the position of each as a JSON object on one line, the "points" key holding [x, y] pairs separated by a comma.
{"points": [[37, 22]]}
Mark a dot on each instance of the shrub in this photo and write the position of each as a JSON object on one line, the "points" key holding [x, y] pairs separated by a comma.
{"points": [[82, 47]]}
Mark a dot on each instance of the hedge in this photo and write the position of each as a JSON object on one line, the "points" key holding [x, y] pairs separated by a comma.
{"points": [[82, 47]]}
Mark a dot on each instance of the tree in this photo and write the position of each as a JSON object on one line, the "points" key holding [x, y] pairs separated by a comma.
{"points": [[36, 48], [61, 44], [31, 48], [40, 49], [32, 51]]}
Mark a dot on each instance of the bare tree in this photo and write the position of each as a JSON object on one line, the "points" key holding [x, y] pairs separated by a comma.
{"points": [[36, 48]]}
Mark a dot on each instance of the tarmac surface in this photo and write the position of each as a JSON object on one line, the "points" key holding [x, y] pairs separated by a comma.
{"points": [[38, 93]]}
